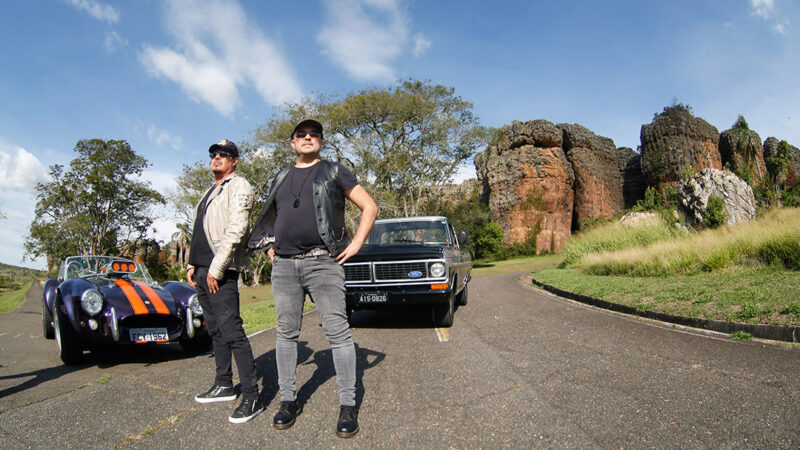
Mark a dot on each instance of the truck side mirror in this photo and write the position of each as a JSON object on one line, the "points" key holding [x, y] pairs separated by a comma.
{"points": [[462, 237]]}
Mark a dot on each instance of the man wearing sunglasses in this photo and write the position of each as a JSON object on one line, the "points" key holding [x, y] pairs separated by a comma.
{"points": [[216, 255], [302, 227]]}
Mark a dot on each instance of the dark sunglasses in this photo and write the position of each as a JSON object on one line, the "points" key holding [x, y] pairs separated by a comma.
{"points": [[303, 133], [222, 154]]}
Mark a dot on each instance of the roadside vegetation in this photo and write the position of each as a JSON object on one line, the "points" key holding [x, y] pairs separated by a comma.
{"points": [[745, 273]]}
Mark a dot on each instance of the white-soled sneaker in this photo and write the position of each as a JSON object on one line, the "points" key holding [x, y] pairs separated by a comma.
{"points": [[249, 408], [217, 393]]}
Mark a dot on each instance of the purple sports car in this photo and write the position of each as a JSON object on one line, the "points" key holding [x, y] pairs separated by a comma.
{"points": [[102, 300]]}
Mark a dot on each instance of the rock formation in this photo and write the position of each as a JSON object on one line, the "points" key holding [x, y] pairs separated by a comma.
{"points": [[791, 176], [742, 152], [740, 204], [598, 185], [629, 164], [527, 181], [675, 140]]}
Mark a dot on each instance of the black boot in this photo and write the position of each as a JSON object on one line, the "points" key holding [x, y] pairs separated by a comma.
{"points": [[348, 422], [286, 415]]}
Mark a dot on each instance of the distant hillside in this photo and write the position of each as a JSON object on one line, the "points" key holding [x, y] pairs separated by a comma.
{"points": [[14, 277]]}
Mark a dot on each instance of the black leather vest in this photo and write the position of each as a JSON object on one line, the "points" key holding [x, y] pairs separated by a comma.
{"points": [[329, 203]]}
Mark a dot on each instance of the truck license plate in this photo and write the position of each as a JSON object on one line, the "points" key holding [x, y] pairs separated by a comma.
{"points": [[149, 335], [374, 297]]}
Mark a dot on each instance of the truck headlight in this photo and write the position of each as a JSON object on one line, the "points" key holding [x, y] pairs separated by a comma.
{"points": [[194, 305], [91, 302], [437, 269]]}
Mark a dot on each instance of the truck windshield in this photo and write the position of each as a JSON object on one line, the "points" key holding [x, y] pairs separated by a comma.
{"points": [[411, 232]]}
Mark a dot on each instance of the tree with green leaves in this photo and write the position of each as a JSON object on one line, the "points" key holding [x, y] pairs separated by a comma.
{"points": [[399, 141], [92, 206]]}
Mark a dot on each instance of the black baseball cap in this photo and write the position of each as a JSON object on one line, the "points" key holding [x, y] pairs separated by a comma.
{"points": [[307, 122], [225, 146]]}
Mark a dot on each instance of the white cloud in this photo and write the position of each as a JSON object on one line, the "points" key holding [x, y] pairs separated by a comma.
{"points": [[166, 222], [780, 27], [364, 36], [97, 10], [113, 41], [211, 61], [762, 8], [20, 170], [163, 138], [421, 45]]}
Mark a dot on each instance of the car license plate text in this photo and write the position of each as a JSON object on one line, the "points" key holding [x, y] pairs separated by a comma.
{"points": [[374, 297], [149, 334]]}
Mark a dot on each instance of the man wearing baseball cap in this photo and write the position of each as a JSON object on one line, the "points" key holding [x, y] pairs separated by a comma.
{"points": [[216, 256], [302, 228]]}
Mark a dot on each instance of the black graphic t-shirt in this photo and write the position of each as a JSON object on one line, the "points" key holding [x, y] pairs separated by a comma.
{"points": [[296, 223]]}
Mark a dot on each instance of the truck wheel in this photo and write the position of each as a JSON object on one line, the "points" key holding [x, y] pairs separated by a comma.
{"points": [[69, 346], [47, 322], [443, 314], [462, 297]]}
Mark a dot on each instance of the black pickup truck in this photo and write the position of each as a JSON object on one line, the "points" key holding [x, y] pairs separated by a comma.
{"points": [[410, 261]]}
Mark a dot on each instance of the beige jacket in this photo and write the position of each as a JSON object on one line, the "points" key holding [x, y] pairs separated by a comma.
{"points": [[227, 224]]}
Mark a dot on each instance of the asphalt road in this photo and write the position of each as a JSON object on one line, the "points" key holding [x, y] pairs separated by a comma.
{"points": [[519, 368]]}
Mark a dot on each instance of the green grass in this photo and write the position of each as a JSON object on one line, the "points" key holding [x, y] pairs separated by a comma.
{"points": [[258, 309], [526, 264], [749, 294], [742, 336], [10, 300]]}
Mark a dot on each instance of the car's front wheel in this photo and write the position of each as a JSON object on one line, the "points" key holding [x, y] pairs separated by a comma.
{"points": [[47, 322], [70, 349], [443, 314]]}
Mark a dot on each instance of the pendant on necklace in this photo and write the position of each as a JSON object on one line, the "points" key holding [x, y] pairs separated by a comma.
{"points": [[297, 203]]}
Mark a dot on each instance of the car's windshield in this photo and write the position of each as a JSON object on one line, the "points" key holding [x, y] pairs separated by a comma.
{"points": [[409, 232], [87, 266]]}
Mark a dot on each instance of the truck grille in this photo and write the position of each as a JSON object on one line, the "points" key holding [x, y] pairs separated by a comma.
{"points": [[395, 272], [357, 272], [399, 271]]}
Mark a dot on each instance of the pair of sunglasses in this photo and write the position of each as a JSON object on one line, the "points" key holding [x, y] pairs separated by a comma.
{"points": [[303, 133], [221, 153]]}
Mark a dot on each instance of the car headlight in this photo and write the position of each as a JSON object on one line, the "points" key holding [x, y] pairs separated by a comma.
{"points": [[91, 302], [437, 269], [194, 305]]}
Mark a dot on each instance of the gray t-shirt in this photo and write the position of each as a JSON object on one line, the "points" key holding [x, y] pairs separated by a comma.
{"points": [[296, 223]]}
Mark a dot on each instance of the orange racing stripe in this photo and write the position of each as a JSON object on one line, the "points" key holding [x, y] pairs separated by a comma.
{"points": [[133, 297], [161, 308]]}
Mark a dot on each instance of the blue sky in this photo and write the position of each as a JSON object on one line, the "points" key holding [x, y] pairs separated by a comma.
{"points": [[171, 77]]}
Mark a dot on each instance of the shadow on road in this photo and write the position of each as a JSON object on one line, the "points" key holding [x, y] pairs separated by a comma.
{"points": [[399, 317], [267, 370], [39, 376]]}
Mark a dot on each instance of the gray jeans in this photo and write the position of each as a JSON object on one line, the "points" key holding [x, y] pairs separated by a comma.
{"points": [[323, 279]]}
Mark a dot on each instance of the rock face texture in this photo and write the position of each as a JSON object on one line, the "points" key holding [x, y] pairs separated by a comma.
{"points": [[791, 177], [629, 164], [675, 140], [741, 150], [527, 181], [598, 185], [740, 204]]}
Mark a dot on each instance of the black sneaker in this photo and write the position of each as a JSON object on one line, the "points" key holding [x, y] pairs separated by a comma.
{"points": [[286, 415], [249, 408], [217, 393], [347, 426]]}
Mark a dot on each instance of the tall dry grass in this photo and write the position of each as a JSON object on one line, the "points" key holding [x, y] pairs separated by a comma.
{"points": [[616, 236], [771, 240]]}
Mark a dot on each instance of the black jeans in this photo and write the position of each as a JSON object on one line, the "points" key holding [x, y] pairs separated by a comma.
{"points": [[224, 324]]}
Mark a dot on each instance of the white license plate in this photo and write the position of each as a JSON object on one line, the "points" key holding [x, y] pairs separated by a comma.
{"points": [[149, 334], [374, 297]]}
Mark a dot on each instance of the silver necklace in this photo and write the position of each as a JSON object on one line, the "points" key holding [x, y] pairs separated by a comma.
{"points": [[296, 203]]}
